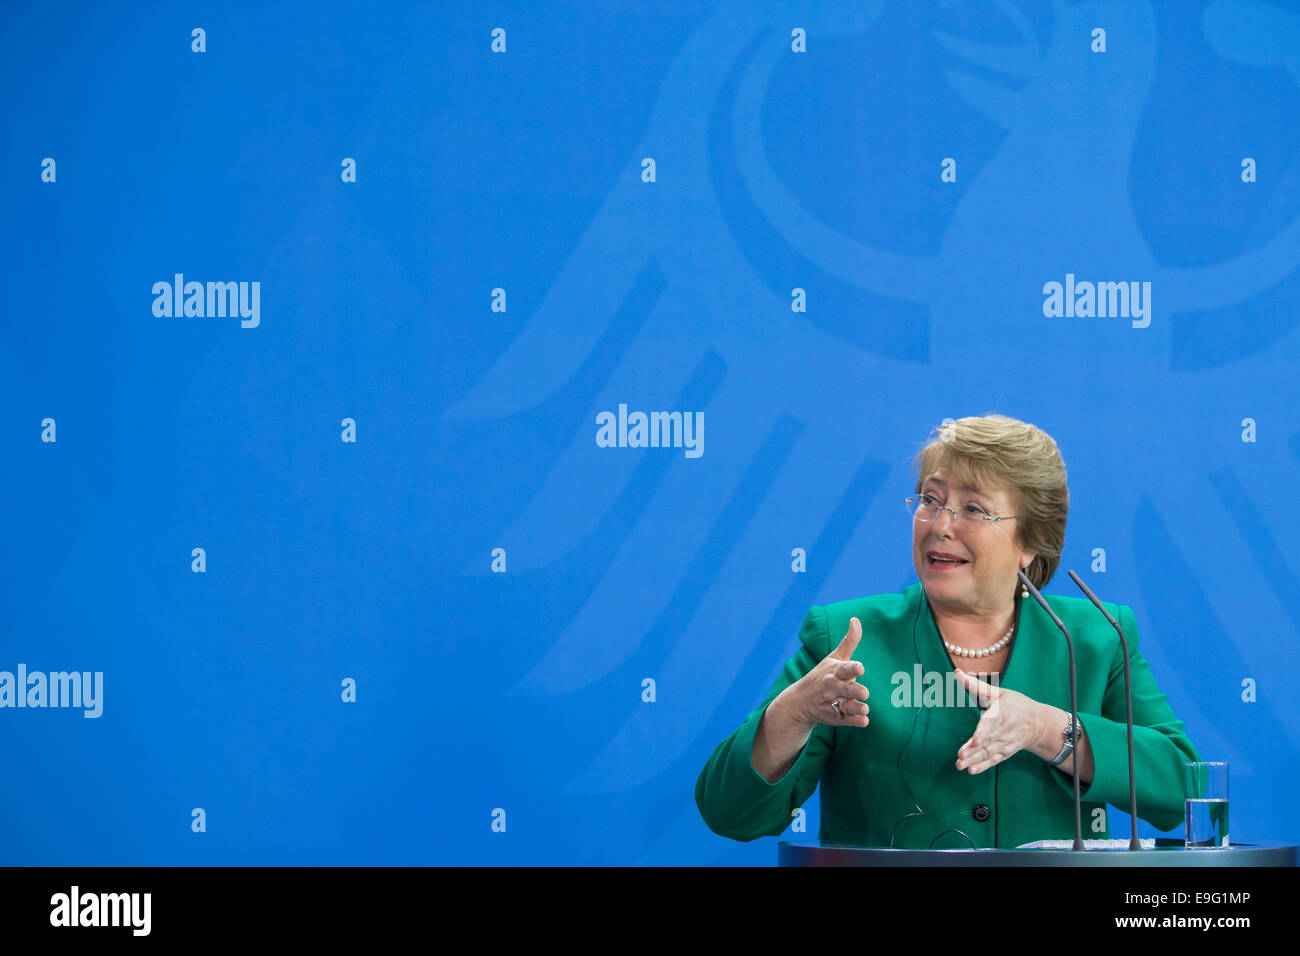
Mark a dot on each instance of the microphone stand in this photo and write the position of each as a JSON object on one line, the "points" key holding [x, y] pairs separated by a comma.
{"points": [[1133, 843], [1074, 711]]}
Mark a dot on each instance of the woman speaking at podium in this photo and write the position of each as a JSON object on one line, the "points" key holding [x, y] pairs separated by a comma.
{"points": [[940, 717]]}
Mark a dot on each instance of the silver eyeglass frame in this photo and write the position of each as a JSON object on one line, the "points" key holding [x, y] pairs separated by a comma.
{"points": [[914, 503]]}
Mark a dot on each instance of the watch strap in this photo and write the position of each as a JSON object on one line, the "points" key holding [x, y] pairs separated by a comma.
{"points": [[1071, 735]]}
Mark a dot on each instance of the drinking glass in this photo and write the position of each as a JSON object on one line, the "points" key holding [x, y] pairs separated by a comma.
{"points": [[1205, 790]]}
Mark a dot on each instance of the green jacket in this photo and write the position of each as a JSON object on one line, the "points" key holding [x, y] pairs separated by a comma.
{"points": [[866, 773]]}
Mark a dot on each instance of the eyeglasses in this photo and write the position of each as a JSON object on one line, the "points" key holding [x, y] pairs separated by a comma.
{"points": [[926, 508]]}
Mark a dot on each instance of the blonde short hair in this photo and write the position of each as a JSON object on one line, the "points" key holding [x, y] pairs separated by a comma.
{"points": [[991, 452]]}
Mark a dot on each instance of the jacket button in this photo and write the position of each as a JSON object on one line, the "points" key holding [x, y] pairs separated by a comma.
{"points": [[981, 812]]}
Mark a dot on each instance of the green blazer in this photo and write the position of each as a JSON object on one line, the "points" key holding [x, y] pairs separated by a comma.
{"points": [[896, 780]]}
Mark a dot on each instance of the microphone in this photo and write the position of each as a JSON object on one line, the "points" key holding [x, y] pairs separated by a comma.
{"points": [[1074, 710], [1133, 843]]}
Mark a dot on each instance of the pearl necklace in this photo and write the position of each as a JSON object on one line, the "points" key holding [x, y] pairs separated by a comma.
{"points": [[983, 651]]}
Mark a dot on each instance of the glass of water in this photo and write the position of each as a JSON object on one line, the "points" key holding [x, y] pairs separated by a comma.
{"points": [[1205, 789]]}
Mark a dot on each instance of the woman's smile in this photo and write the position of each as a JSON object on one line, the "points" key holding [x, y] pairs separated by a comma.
{"points": [[943, 561]]}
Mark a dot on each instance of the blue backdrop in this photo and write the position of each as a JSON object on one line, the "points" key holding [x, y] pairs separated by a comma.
{"points": [[343, 537]]}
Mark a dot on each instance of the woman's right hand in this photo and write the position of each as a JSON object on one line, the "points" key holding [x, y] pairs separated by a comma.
{"points": [[795, 713], [810, 698]]}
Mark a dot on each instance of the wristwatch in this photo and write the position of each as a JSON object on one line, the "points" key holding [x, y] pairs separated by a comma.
{"points": [[1072, 732]]}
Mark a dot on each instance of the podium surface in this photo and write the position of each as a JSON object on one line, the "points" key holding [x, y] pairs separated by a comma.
{"points": [[1248, 855]]}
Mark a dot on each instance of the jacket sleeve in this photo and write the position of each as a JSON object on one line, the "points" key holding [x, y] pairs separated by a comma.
{"points": [[735, 799], [1160, 746]]}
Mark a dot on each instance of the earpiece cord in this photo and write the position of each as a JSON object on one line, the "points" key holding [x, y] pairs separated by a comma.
{"points": [[917, 812]]}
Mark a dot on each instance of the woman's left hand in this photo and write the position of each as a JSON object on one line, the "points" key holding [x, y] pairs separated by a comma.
{"points": [[1009, 725]]}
